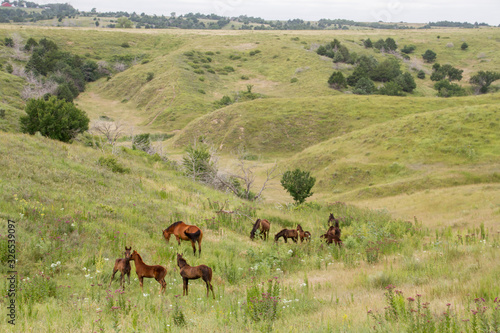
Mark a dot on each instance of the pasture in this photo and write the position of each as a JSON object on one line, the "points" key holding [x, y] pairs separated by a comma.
{"points": [[413, 181]]}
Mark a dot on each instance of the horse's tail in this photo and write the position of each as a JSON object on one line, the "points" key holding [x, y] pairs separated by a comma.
{"points": [[254, 229], [193, 236]]}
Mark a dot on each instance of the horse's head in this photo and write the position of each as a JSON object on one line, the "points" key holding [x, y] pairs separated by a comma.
{"points": [[134, 255], [331, 218], [127, 252], [166, 234], [181, 262], [299, 228]]}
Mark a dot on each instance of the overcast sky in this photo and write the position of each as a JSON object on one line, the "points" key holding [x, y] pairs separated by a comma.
{"points": [[412, 11]]}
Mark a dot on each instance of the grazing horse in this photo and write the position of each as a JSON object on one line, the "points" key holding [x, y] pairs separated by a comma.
{"points": [[263, 226], [122, 265], [333, 233], [185, 232], [303, 234], [193, 273], [145, 271], [287, 233]]}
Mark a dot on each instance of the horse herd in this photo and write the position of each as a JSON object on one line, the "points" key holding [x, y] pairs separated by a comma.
{"points": [[192, 233]]}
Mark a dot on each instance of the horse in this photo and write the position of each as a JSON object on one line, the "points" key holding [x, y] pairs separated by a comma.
{"points": [[193, 273], [263, 226], [287, 233], [185, 232], [122, 265], [303, 234], [334, 232], [145, 271]]}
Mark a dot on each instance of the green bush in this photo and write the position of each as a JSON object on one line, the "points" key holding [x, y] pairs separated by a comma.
{"points": [[112, 164], [299, 184], [150, 76], [53, 118]]}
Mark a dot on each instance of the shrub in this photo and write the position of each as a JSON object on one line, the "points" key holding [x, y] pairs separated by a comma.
{"points": [[294, 79], [421, 74], [53, 118], [391, 88], [125, 45], [142, 142], [464, 46], [112, 164], [367, 43], [447, 89], [429, 56], [337, 80], [299, 184], [364, 86], [407, 49], [150, 76], [262, 303]]}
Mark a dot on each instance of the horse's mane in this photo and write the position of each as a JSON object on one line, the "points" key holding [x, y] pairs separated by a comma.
{"points": [[299, 227], [174, 224], [181, 259], [255, 226]]}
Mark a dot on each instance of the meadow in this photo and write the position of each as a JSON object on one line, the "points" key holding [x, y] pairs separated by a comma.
{"points": [[414, 181]]}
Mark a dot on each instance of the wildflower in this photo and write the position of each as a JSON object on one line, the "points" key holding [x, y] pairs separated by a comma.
{"points": [[410, 299]]}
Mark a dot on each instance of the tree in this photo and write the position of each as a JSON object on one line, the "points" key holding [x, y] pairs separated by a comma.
{"points": [[421, 74], [407, 49], [464, 46], [198, 163], [368, 43], [447, 89], [482, 80], [390, 44], [429, 56], [53, 118], [391, 88], [123, 22], [386, 71], [364, 86], [406, 82], [299, 184], [337, 81]]}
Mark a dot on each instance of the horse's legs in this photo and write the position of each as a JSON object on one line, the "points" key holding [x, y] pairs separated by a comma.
{"points": [[284, 237], [163, 285], [122, 280], [194, 248], [199, 247], [112, 276], [128, 278], [178, 240], [185, 287], [294, 239], [140, 282]]}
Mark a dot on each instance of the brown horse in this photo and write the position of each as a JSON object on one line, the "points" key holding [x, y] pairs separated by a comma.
{"points": [[145, 271], [287, 233], [193, 273], [263, 226], [185, 232], [333, 233], [122, 265], [303, 234]]}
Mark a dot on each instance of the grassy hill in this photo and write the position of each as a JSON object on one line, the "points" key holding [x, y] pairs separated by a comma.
{"points": [[414, 181]]}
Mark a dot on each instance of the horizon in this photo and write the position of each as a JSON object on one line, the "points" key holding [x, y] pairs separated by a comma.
{"points": [[392, 11]]}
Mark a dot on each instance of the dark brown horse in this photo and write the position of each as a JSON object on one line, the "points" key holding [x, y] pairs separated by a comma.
{"points": [[122, 265], [287, 233], [334, 232], [145, 271], [185, 232], [193, 273], [263, 226], [304, 235]]}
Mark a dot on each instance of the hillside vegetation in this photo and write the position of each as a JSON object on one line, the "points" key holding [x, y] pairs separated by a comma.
{"points": [[413, 180]]}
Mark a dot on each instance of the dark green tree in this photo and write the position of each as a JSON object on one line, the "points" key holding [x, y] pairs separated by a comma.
{"points": [[386, 71], [429, 56], [447, 89], [464, 46], [337, 81], [54, 118], [368, 43], [407, 49], [482, 80], [421, 74], [380, 44], [390, 44], [299, 184], [391, 88], [406, 82], [364, 86]]}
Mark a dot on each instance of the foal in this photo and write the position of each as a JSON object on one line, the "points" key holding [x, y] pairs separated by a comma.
{"points": [[287, 233], [263, 226], [193, 273], [303, 234], [122, 265], [158, 272]]}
